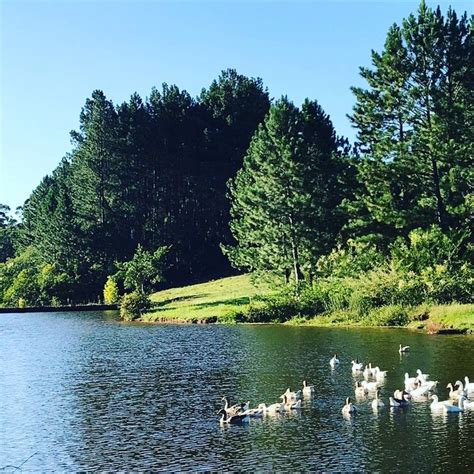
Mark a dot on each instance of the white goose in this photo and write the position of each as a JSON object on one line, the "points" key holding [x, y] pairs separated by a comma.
{"points": [[380, 374], [308, 390], [360, 391], [273, 408], [468, 405], [454, 394], [421, 376], [370, 386], [356, 366], [368, 371], [437, 405], [348, 408], [334, 361], [376, 402], [469, 386], [290, 404], [422, 388], [454, 408], [292, 396]]}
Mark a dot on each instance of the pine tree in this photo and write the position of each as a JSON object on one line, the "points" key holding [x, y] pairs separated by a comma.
{"points": [[414, 128], [285, 198]]}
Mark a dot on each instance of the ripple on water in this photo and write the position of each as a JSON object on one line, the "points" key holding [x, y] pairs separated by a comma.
{"points": [[89, 393]]}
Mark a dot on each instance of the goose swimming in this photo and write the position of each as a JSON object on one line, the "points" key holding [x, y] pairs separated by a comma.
{"points": [[454, 408], [469, 386], [308, 390], [232, 419], [348, 408], [360, 391], [356, 366], [437, 405], [273, 408], [376, 402], [234, 409], [290, 404], [334, 361]]}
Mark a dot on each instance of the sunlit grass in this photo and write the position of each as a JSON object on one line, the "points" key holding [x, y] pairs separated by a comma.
{"points": [[210, 300]]}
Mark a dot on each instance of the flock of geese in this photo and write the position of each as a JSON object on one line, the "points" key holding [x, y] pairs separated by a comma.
{"points": [[416, 388]]}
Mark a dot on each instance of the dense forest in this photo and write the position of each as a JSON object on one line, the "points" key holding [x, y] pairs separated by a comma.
{"points": [[233, 180]]}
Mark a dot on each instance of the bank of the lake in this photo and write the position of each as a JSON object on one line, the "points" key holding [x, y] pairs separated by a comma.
{"points": [[223, 300], [60, 309]]}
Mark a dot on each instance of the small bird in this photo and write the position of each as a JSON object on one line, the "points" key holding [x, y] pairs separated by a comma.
{"points": [[348, 408], [334, 361], [404, 349]]}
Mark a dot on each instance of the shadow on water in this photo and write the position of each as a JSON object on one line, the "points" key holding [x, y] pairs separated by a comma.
{"points": [[89, 394]]}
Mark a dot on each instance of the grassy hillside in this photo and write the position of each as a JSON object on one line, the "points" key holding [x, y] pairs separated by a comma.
{"points": [[204, 302]]}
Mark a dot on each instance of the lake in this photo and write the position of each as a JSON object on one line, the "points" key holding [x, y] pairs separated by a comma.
{"points": [[84, 391]]}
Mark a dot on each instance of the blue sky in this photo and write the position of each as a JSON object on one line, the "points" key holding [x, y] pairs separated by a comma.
{"points": [[53, 54]]}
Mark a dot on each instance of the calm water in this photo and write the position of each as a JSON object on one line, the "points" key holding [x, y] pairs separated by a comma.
{"points": [[86, 392]]}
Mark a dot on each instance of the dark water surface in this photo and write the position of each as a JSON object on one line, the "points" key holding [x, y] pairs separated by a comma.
{"points": [[86, 392]]}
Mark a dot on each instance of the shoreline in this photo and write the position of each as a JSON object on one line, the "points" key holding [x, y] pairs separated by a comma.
{"points": [[60, 309], [308, 323]]}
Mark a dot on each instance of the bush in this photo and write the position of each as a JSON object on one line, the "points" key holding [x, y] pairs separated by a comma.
{"points": [[394, 315], [133, 305]]}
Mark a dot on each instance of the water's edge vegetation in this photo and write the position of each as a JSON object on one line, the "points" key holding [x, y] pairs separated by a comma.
{"points": [[235, 300]]}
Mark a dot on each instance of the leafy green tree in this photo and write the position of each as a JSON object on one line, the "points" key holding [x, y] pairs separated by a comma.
{"points": [[414, 126], [143, 271], [111, 292], [285, 199], [8, 231]]}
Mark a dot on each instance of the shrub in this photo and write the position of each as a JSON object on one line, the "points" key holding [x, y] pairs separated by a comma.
{"points": [[133, 305], [21, 303], [394, 315]]}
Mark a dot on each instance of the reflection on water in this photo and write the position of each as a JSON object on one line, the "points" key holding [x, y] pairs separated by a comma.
{"points": [[87, 392]]}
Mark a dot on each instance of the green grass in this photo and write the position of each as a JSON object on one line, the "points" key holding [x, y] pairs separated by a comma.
{"points": [[204, 302], [219, 301], [449, 316], [427, 317]]}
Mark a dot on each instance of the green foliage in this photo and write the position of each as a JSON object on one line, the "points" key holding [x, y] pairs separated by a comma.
{"points": [[350, 260], [143, 271], [133, 305], [285, 198], [414, 125], [111, 291], [393, 315]]}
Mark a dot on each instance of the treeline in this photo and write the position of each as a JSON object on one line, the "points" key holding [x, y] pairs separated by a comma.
{"points": [[150, 173], [234, 176]]}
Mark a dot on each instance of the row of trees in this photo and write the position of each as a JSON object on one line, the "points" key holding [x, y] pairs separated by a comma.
{"points": [[269, 186], [150, 173]]}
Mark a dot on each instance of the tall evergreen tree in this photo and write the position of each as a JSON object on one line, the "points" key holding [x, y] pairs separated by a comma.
{"points": [[414, 127], [285, 198]]}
